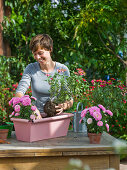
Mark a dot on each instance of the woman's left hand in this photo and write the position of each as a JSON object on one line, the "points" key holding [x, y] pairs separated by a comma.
{"points": [[59, 109]]}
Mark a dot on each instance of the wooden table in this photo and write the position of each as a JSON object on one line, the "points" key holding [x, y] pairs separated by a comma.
{"points": [[54, 154]]}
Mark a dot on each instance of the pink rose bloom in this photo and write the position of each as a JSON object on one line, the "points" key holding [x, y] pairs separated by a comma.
{"points": [[109, 112], [97, 116], [93, 82], [33, 98], [33, 108], [11, 101], [107, 126], [89, 120], [16, 100], [24, 97], [17, 114], [32, 117], [102, 107], [93, 109], [84, 112], [99, 123], [17, 108], [26, 101], [12, 114]]}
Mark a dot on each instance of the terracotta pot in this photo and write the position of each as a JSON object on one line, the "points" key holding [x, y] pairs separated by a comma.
{"points": [[40, 129], [4, 134], [9, 125], [94, 138]]}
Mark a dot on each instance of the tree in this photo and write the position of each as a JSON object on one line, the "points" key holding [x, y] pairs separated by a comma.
{"points": [[101, 27]]}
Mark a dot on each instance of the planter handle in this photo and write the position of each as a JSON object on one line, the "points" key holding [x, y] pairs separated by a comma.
{"points": [[77, 127], [79, 105]]}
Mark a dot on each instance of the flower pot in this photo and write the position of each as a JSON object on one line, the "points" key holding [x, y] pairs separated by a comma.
{"points": [[9, 125], [94, 138], [42, 128], [4, 134]]}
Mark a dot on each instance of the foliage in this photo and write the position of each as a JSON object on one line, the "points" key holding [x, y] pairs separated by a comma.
{"points": [[6, 91], [97, 118], [63, 87], [90, 33], [100, 27], [9, 71], [32, 17], [23, 107]]}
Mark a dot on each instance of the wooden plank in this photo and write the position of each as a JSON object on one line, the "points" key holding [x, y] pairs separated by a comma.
{"points": [[53, 163], [88, 153], [48, 154], [114, 162], [54, 152]]}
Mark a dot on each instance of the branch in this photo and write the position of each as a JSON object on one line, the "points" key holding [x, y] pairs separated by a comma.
{"points": [[113, 52]]}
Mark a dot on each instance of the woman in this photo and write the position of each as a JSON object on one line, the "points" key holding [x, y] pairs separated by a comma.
{"points": [[36, 73]]}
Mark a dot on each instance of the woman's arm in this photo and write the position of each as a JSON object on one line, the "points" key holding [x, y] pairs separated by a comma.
{"points": [[18, 94]]}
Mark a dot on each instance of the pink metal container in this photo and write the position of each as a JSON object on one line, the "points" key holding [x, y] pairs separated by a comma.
{"points": [[42, 128]]}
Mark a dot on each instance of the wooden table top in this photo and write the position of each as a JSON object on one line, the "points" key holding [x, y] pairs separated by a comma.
{"points": [[72, 144]]}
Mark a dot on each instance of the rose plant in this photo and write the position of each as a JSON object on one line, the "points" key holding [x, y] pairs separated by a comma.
{"points": [[23, 107], [97, 118]]}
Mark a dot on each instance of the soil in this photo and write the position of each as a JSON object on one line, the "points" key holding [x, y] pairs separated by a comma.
{"points": [[49, 109]]}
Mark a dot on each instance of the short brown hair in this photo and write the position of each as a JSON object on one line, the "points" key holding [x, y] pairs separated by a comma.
{"points": [[43, 41]]}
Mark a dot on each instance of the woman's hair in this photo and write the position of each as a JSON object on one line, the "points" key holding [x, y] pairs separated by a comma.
{"points": [[43, 41]]}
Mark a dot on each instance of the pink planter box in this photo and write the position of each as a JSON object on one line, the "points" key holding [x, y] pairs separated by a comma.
{"points": [[42, 129]]}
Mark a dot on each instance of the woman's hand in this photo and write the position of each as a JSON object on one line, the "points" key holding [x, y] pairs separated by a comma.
{"points": [[38, 114], [59, 109], [64, 106]]}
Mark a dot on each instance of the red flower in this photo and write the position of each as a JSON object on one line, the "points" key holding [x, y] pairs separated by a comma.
{"points": [[116, 120], [113, 79], [125, 114], [20, 74], [119, 125], [112, 125], [123, 127], [83, 79], [124, 101]]}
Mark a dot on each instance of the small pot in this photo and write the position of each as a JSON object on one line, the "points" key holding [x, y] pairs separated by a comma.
{"points": [[94, 138], [4, 134]]}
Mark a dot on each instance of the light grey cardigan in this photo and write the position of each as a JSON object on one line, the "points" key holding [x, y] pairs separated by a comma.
{"points": [[35, 77]]}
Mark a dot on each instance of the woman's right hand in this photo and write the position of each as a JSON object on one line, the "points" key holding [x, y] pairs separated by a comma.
{"points": [[38, 114]]}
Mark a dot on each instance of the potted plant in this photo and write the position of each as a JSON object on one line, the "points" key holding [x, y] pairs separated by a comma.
{"points": [[4, 116], [64, 88], [60, 91], [28, 128], [113, 95], [97, 118]]}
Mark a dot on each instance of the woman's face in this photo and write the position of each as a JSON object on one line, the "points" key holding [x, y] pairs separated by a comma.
{"points": [[42, 56]]}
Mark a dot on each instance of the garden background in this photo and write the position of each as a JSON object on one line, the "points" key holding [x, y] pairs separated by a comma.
{"points": [[90, 37]]}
